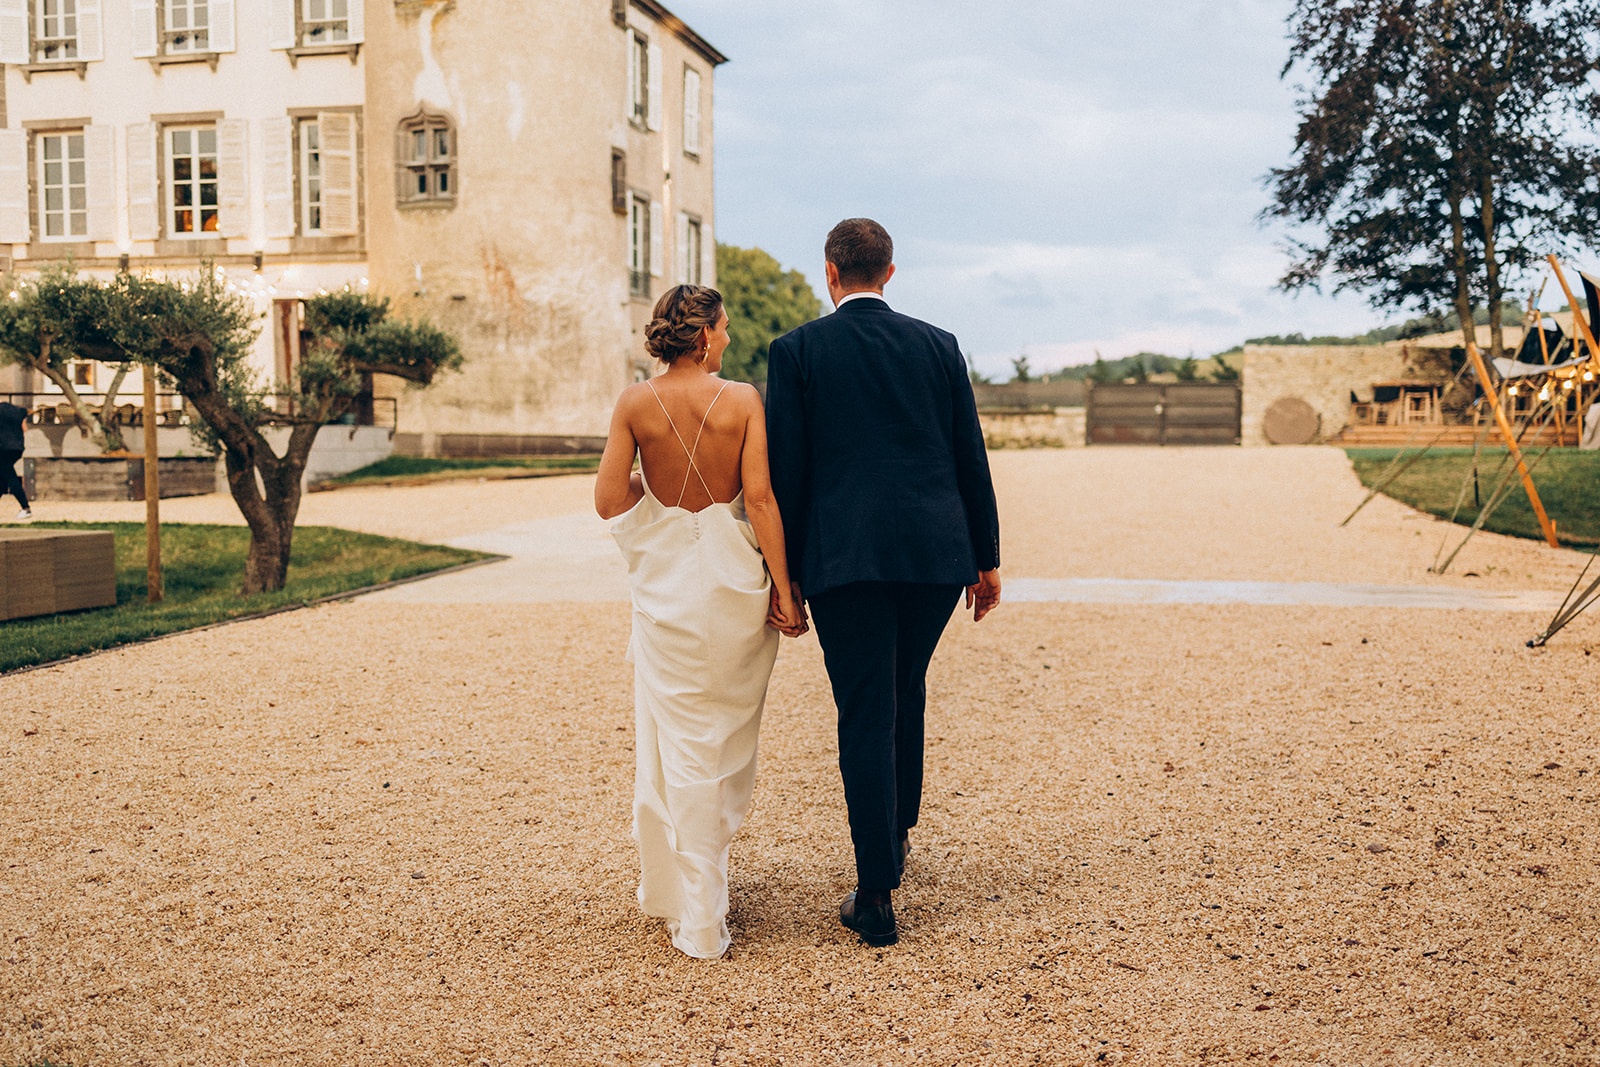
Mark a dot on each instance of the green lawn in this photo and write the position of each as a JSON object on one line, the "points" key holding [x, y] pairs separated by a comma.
{"points": [[1568, 482], [414, 469], [202, 570]]}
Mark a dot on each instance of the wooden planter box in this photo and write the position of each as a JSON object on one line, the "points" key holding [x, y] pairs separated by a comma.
{"points": [[117, 477], [46, 571]]}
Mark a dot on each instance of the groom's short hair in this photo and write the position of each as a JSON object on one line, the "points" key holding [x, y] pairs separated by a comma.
{"points": [[861, 251]]}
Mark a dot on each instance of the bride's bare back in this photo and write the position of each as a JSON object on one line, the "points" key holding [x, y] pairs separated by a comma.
{"points": [[673, 416]]}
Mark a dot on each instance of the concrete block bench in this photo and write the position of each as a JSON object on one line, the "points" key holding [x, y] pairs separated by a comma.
{"points": [[47, 571]]}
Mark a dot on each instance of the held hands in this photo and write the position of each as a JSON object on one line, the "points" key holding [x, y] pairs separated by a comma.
{"points": [[983, 595], [786, 612]]}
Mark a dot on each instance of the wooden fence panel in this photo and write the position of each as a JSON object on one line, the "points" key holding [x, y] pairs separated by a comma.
{"points": [[1171, 413]]}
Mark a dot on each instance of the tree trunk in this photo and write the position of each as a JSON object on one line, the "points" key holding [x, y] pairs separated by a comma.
{"points": [[1463, 273], [267, 490], [114, 441], [1491, 266], [89, 423]]}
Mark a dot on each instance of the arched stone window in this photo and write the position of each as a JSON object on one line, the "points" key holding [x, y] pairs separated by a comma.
{"points": [[426, 160]]}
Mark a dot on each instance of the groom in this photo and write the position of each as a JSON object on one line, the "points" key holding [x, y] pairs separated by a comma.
{"points": [[889, 513]]}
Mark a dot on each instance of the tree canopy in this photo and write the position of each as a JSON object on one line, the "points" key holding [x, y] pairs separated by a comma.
{"points": [[41, 319], [198, 336], [763, 302], [1443, 146]]}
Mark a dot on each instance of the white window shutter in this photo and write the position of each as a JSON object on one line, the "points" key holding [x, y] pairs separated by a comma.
{"points": [[144, 210], [358, 20], [100, 167], [278, 181], [280, 23], [222, 26], [691, 111], [14, 32], [143, 35], [233, 177], [680, 249], [658, 225], [91, 45], [708, 256], [633, 75], [14, 228], [653, 105], [340, 213]]}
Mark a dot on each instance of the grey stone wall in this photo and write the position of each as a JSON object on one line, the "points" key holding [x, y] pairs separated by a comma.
{"points": [[1061, 428], [1324, 376]]}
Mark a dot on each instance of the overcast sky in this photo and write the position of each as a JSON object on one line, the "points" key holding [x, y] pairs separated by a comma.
{"points": [[1059, 176]]}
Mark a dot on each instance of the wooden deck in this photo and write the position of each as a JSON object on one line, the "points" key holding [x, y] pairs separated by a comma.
{"points": [[1418, 435]]}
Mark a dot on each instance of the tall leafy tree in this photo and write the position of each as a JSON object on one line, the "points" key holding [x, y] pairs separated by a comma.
{"points": [[763, 302], [1443, 147]]}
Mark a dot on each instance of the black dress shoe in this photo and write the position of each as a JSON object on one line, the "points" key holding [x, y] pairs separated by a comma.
{"points": [[875, 923], [901, 854]]}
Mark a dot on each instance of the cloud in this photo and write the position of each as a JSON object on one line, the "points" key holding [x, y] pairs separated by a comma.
{"points": [[1057, 173]]}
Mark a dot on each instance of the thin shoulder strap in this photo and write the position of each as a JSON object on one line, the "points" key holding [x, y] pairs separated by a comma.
{"points": [[689, 450]]}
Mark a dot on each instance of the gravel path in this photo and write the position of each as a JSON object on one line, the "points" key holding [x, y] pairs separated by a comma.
{"points": [[395, 831]]}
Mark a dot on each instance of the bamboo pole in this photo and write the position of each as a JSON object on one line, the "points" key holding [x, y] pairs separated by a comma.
{"points": [[152, 490], [1489, 390], [1577, 314]]}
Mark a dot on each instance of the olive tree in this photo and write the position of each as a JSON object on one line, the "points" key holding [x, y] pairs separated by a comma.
{"points": [[39, 319], [198, 337]]}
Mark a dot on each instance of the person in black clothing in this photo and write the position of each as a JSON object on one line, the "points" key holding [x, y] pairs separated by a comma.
{"points": [[889, 513], [11, 444]]}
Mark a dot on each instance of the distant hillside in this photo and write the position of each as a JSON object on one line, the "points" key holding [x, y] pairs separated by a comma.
{"points": [[1227, 363]]}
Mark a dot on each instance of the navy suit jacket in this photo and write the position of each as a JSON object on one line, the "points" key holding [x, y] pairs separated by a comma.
{"points": [[877, 457]]}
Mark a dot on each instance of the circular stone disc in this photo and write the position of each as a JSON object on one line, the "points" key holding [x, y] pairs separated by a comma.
{"points": [[1291, 421]]}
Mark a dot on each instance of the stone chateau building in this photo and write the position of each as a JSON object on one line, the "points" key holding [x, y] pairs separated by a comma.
{"points": [[529, 175]]}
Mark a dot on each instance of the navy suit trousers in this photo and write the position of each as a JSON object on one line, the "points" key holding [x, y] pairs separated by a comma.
{"points": [[877, 639]]}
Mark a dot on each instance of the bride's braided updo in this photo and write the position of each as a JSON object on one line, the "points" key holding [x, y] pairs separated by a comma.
{"points": [[681, 313]]}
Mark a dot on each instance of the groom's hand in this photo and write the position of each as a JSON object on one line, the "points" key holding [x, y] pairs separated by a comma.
{"points": [[792, 624], [983, 595]]}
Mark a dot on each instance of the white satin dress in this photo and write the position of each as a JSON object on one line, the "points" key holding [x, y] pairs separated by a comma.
{"points": [[702, 654]]}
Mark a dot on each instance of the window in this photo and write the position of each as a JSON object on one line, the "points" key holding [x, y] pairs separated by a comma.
{"points": [[187, 26], [427, 156], [83, 374], [310, 177], [56, 36], [638, 246], [638, 80], [691, 111], [63, 184], [191, 181], [689, 249], [619, 182], [324, 22]]}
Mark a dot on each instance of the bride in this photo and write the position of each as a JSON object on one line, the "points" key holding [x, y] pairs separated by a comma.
{"points": [[703, 539]]}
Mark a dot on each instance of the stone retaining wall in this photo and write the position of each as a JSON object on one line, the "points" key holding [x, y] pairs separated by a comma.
{"points": [[1324, 376], [1055, 428]]}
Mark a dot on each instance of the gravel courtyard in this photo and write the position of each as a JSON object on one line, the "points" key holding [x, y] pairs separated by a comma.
{"points": [[394, 829]]}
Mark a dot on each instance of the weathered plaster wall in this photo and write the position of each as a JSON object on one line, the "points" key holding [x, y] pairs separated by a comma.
{"points": [[511, 268], [529, 267]]}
